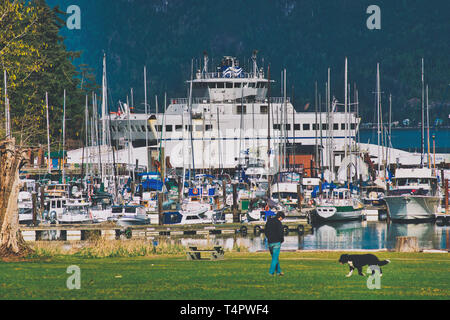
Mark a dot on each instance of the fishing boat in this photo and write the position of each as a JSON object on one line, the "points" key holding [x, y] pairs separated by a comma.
{"points": [[133, 216], [117, 211], [185, 218], [101, 213], [373, 195], [75, 213], [197, 202], [286, 193], [337, 205], [414, 195], [25, 206]]}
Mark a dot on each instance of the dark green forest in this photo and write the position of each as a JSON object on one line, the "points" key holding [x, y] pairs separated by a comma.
{"points": [[305, 37]]}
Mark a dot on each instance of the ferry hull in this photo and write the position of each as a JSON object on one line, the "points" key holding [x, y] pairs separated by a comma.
{"points": [[409, 208]]}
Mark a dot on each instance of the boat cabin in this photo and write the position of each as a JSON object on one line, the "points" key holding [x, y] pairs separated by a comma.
{"points": [[417, 181]]}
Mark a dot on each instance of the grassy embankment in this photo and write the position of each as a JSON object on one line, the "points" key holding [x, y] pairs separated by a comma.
{"points": [[135, 270]]}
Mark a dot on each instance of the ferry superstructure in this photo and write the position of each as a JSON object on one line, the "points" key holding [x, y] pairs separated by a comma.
{"points": [[226, 118]]}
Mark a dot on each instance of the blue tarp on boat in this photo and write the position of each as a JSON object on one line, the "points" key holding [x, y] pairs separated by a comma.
{"points": [[152, 184]]}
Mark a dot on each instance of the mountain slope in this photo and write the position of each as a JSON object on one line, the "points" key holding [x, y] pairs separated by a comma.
{"points": [[305, 37]]}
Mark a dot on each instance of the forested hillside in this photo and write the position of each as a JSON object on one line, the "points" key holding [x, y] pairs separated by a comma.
{"points": [[305, 37]]}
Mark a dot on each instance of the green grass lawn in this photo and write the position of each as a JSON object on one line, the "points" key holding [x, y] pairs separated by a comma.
{"points": [[308, 275]]}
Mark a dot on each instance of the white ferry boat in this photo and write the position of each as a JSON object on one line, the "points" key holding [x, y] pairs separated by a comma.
{"points": [[227, 115]]}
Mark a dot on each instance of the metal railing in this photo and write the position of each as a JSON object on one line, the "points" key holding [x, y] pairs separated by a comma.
{"points": [[220, 75], [205, 100]]}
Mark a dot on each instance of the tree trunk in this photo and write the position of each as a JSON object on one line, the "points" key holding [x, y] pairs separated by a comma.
{"points": [[11, 160]]}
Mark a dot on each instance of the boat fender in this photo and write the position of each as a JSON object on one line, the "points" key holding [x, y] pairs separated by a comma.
{"points": [[53, 215]]}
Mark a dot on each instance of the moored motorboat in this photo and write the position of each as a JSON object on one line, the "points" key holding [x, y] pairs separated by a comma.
{"points": [[338, 205], [414, 195], [75, 213], [133, 216]]}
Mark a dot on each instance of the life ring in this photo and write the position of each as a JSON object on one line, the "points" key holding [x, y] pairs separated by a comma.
{"points": [[300, 229], [244, 230], [286, 230], [266, 208], [195, 191]]}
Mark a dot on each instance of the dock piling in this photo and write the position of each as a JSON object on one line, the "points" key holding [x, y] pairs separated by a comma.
{"points": [[235, 206], [160, 208], [34, 206], [446, 195]]}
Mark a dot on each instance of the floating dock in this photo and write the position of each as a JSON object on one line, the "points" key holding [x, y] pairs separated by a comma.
{"points": [[110, 231]]}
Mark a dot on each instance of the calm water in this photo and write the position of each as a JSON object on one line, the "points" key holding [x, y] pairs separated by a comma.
{"points": [[410, 139], [344, 235]]}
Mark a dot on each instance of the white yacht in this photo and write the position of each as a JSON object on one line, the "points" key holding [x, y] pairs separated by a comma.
{"points": [[76, 213], [25, 206], [134, 215], [414, 195]]}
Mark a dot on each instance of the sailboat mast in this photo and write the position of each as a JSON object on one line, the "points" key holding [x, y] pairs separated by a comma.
{"points": [[146, 111], [129, 137], [49, 167], [346, 110], [378, 115], [428, 130], [285, 122], [269, 177], [316, 123], [321, 138], [423, 124], [390, 130], [331, 107], [104, 100], [293, 130], [191, 129], [64, 138]]}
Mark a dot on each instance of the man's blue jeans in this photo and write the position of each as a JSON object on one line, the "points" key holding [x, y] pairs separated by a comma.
{"points": [[274, 249]]}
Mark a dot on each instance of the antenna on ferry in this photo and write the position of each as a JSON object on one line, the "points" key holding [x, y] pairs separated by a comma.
{"points": [[206, 60], [255, 66]]}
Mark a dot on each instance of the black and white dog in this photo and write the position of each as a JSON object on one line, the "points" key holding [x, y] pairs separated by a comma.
{"points": [[360, 260]]}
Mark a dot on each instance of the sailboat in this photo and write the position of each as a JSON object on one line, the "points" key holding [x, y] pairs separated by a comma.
{"points": [[338, 204], [335, 203]]}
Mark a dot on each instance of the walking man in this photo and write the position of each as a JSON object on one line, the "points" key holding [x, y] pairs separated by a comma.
{"points": [[275, 237]]}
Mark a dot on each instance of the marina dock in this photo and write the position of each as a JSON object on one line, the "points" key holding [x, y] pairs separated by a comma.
{"points": [[112, 232]]}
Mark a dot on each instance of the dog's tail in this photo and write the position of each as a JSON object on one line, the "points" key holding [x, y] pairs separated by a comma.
{"points": [[384, 262]]}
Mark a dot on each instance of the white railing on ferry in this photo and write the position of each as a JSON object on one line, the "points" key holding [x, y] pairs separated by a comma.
{"points": [[185, 101], [219, 75]]}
